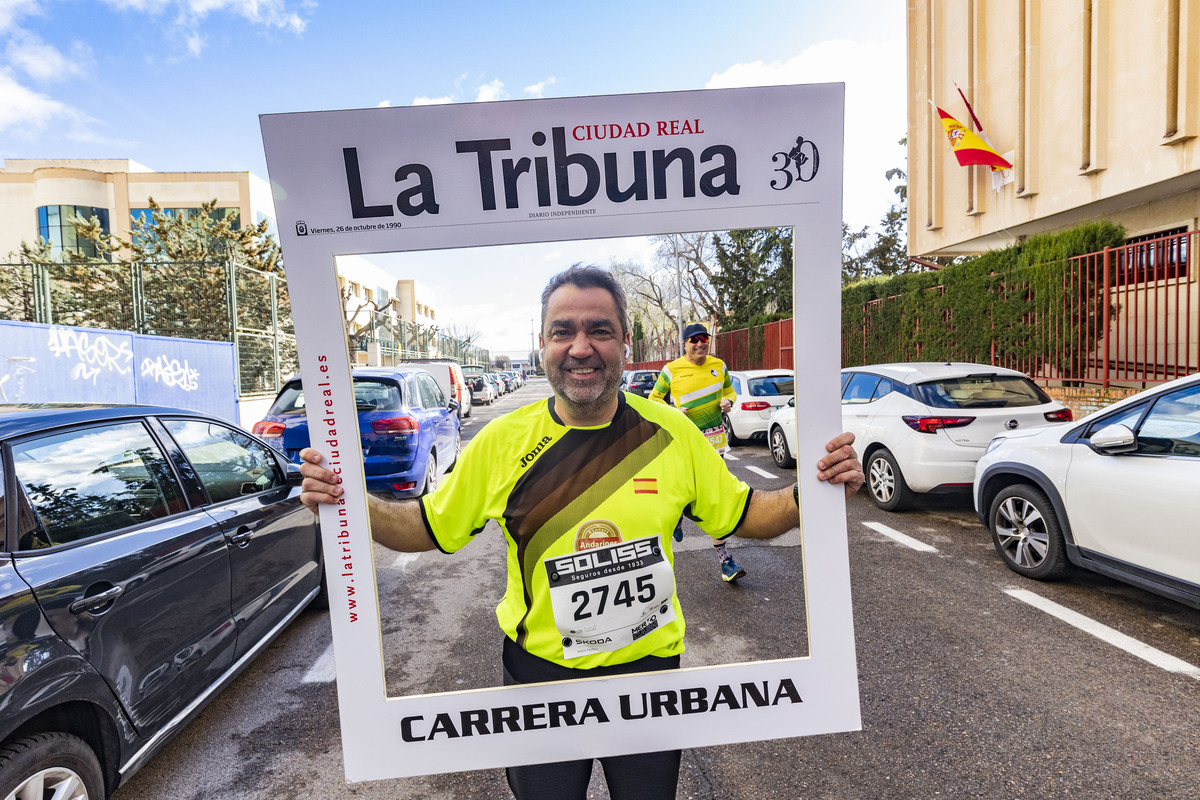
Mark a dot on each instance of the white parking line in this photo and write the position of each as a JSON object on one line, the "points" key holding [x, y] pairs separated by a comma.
{"points": [[896, 535], [731, 457], [762, 472], [322, 670], [1106, 634], [404, 559]]}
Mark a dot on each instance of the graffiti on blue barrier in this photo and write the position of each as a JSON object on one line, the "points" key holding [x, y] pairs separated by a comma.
{"points": [[57, 363]]}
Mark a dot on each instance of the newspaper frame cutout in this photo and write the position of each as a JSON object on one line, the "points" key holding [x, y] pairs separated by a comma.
{"points": [[407, 179]]}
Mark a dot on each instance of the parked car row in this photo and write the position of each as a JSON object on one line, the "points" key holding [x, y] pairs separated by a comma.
{"points": [[1115, 493], [491, 386]]}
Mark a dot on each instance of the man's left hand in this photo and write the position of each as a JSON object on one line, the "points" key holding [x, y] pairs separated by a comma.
{"points": [[842, 464]]}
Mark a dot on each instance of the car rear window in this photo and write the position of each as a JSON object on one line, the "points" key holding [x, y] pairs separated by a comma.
{"points": [[377, 396], [369, 395], [645, 377], [772, 385], [982, 391]]}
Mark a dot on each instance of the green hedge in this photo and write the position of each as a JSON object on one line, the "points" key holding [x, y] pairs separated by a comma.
{"points": [[1022, 299]]}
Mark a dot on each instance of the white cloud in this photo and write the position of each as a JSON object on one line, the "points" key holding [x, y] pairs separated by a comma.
{"points": [[538, 88], [491, 91], [432, 101], [26, 113], [45, 62], [268, 13], [876, 111], [190, 15], [13, 10]]}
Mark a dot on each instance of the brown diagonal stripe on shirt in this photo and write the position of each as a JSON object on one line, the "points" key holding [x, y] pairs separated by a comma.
{"points": [[574, 475]]}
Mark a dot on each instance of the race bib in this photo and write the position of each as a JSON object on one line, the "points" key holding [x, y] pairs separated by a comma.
{"points": [[608, 597], [716, 437]]}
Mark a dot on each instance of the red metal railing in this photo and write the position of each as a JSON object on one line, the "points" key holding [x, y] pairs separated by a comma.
{"points": [[1124, 315], [1140, 304]]}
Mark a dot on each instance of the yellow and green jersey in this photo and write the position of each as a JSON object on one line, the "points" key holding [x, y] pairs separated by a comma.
{"points": [[588, 515], [696, 388]]}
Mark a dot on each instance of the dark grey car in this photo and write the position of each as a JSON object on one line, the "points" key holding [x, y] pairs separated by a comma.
{"points": [[149, 554]]}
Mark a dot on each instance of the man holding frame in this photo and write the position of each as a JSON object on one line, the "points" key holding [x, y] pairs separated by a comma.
{"points": [[587, 487], [409, 180]]}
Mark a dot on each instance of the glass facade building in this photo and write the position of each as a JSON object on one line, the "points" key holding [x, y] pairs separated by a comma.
{"points": [[54, 225]]}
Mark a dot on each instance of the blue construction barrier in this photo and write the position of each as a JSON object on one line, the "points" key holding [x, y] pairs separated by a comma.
{"points": [[56, 363]]}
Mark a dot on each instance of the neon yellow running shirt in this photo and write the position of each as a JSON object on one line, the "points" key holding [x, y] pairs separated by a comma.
{"points": [[587, 514], [696, 388]]}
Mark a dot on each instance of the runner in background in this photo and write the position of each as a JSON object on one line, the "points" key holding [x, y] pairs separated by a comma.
{"points": [[700, 387]]}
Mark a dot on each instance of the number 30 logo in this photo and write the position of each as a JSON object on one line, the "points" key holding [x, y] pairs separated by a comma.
{"points": [[798, 164]]}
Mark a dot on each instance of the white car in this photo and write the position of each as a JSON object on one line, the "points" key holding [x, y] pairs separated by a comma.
{"points": [[781, 434], [759, 393], [449, 375], [920, 427], [483, 391], [1118, 493]]}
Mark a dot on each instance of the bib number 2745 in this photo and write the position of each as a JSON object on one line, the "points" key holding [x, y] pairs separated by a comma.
{"points": [[593, 602]]}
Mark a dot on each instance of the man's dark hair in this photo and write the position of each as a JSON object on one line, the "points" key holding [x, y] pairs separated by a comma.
{"points": [[587, 277]]}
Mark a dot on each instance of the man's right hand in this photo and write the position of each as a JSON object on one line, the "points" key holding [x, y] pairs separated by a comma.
{"points": [[319, 485]]}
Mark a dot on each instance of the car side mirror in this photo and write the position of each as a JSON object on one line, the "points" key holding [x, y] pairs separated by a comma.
{"points": [[453, 404], [1113, 439]]}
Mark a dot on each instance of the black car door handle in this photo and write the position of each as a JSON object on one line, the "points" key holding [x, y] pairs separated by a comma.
{"points": [[241, 538], [95, 602]]}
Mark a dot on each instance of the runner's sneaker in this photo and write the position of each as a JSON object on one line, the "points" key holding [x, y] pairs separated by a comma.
{"points": [[730, 571], [678, 534]]}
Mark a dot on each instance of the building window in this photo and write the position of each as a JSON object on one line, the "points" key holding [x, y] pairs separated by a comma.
{"points": [[54, 225], [1153, 257]]}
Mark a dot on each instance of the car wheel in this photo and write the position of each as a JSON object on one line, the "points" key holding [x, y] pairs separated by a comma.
{"points": [[1026, 533], [779, 449], [55, 765], [431, 474], [886, 483], [729, 434]]}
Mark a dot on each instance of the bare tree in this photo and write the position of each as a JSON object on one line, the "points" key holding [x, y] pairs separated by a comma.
{"points": [[459, 337], [360, 329], [694, 255]]}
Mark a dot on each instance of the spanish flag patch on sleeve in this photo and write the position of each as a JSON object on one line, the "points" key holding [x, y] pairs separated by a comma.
{"points": [[645, 485]]}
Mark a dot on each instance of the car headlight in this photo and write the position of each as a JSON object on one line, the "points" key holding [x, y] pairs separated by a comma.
{"points": [[994, 443]]}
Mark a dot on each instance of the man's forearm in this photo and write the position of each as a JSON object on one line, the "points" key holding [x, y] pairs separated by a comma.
{"points": [[398, 525], [771, 514]]}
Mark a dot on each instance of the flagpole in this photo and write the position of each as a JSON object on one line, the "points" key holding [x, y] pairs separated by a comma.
{"points": [[971, 111]]}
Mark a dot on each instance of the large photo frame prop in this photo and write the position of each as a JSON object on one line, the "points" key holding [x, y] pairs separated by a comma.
{"points": [[391, 180]]}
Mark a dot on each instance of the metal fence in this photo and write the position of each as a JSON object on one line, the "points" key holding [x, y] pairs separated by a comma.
{"points": [[222, 301], [388, 340], [216, 301]]}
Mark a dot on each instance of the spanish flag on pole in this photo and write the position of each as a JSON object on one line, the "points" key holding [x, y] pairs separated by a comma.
{"points": [[970, 148]]}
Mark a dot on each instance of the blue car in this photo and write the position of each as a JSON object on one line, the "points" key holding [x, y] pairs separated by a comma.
{"points": [[410, 429]]}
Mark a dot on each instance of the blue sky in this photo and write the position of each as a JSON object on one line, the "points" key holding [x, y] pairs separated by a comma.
{"points": [[178, 86]]}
